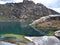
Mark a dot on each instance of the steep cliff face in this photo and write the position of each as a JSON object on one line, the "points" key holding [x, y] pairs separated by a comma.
{"points": [[25, 12]]}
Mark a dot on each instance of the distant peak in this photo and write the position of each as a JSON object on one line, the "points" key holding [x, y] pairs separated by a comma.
{"points": [[26, 0]]}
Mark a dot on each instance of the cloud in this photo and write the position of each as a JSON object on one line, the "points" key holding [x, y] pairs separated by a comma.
{"points": [[56, 9], [2, 2], [18, 1], [49, 3], [43, 1], [9, 1], [54, 4]]}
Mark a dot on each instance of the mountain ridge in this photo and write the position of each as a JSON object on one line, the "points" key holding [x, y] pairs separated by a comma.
{"points": [[26, 12]]}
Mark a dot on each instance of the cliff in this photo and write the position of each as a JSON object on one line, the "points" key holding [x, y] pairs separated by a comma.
{"points": [[25, 12]]}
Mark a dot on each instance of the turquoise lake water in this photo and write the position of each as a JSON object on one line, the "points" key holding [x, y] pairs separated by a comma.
{"points": [[15, 28]]}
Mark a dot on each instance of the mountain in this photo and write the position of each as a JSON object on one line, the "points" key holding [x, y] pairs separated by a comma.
{"points": [[21, 15], [27, 9], [24, 11]]}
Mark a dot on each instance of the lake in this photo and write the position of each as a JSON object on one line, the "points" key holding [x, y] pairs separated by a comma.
{"points": [[15, 28]]}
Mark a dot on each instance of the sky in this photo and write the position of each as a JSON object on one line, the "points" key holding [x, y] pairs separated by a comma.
{"points": [[53, 4]]}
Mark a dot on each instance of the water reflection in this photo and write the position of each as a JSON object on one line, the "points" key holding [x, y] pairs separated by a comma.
{"points": [[15, 28]]}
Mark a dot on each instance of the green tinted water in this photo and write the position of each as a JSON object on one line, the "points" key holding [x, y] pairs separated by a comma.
{"points": [[15, 28]]}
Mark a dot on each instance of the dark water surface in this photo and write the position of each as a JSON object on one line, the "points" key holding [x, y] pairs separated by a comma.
{"points": [[15, 28]]}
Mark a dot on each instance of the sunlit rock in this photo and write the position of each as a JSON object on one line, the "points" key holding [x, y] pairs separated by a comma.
{"points": [[47, 21], [46, 40], [57, 33]]}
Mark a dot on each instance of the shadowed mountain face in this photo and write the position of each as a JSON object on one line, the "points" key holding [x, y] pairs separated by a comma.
{"points": [[24, 13]]}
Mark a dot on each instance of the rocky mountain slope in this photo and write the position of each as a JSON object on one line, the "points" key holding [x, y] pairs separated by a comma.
{"points": [[51, 21], [24, 12]]}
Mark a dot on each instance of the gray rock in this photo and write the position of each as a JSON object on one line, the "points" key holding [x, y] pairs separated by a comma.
{"points": [[46, 40], [27, 11]]}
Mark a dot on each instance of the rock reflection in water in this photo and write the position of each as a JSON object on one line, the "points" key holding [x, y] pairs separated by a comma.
{"points": [[13, 39]]}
